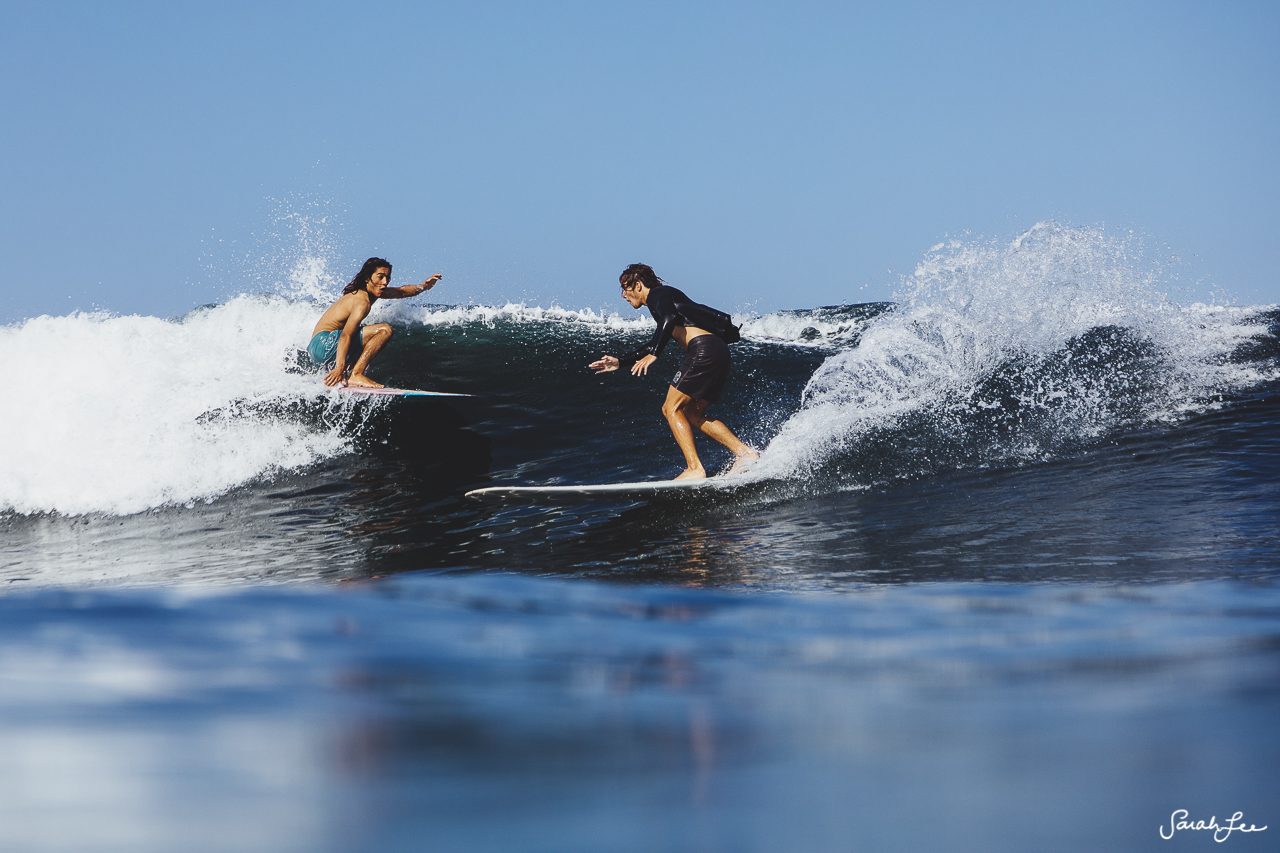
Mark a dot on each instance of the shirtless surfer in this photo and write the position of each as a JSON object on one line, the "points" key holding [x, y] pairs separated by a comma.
{"points": [[705, 334], [339, 338]]}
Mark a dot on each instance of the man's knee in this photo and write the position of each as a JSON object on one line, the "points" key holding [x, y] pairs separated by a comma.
{"points": [[671, 408]]}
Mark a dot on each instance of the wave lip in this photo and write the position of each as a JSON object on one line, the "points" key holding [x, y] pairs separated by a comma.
{"points": [[831, 326], [511, 312]]}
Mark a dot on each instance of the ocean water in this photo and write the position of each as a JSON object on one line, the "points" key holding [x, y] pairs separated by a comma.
{"points": [[1004, 579]]}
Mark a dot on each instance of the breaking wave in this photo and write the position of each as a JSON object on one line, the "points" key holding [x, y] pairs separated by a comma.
{"points": [[1014, 352]]}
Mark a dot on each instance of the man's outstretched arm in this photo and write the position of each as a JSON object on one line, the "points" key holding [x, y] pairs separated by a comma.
{"points": [[410, 289], [639, 366]]}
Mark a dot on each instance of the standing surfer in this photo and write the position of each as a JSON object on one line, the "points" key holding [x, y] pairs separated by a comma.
{"points": [[705, 334], [338, 337]]}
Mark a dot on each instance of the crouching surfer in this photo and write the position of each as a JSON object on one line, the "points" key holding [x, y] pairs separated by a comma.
{"points": [[705, 334], [339, 339]]}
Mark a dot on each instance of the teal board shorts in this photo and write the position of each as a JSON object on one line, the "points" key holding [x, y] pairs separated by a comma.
{"points": [[323, 348]]}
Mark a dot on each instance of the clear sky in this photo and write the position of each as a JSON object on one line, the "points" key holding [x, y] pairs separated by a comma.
{"points": [[762, 156]]}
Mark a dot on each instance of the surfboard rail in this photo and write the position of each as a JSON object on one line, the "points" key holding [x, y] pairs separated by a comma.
{"points": [[605, 491]]}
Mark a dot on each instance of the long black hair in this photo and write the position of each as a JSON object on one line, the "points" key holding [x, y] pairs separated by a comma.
{"points": [[361, 281]]}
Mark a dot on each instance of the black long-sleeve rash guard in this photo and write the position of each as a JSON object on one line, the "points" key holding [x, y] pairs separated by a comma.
{"points": [[671, 308]]}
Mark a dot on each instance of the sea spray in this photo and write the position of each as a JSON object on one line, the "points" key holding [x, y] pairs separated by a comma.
{"points": [[300, 253], [1012, 352]]}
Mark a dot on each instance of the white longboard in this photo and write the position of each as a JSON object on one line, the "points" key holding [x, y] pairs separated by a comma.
{"points": [[396, 392], [606, 491]]}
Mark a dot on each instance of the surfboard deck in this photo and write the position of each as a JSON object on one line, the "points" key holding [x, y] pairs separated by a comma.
{"points": [[396, 392], [607, 491]]}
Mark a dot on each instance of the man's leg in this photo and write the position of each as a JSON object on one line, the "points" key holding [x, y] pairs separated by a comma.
{"points": [[375, 338], [703, 372], [676, 410], [696, 415]]}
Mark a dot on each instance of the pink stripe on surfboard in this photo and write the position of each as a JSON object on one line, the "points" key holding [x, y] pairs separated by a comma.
{"points": [[397, 392]]}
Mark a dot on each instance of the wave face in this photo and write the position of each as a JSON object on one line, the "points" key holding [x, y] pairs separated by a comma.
{"points": [[1016, 353], [125, 414], [992, 355]]}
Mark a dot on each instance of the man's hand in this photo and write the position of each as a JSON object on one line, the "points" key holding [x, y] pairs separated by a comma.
{"points": [[641, 367], [604, 365], [335, 376], [429, 283]]}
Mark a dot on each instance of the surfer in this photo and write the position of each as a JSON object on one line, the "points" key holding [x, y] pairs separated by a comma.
{"points": [[339, 339], [705, 334]]}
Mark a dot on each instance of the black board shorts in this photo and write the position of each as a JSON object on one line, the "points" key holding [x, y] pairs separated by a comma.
{"points": [[704, 370]]}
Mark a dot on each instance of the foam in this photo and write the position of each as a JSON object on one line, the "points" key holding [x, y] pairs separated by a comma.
{"points": [[112, 414]]}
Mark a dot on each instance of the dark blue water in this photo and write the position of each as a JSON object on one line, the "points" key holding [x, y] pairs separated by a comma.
{"points": [[1006, 579]]}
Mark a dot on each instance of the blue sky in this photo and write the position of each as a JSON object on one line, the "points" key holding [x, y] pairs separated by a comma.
{"points": [[158, 156]]}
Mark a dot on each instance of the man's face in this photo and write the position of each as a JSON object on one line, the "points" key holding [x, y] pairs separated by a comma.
{"points": [[633, 296], [380, 279]]}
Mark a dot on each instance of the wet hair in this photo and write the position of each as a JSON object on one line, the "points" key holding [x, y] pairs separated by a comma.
{"points": [[639, 274], [361, 281]]}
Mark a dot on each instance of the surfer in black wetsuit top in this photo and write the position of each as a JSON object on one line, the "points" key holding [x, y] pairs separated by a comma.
{"points": [[705, 334]]}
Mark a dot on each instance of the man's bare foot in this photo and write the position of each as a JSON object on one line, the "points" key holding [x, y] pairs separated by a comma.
{"points": [[363, 381], [693, 474], [743, 462]]}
